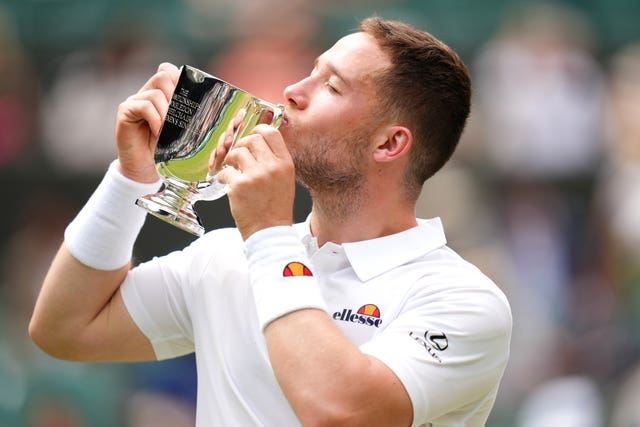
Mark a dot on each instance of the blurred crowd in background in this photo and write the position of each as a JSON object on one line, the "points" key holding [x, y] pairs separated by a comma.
{"points": [[543, 193]]}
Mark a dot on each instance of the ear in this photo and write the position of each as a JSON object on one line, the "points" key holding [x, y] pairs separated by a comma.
{"points": [[392, 142]]}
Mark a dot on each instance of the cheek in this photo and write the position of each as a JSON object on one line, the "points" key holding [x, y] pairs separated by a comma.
{"points": [[329, 117], [334, 120]]}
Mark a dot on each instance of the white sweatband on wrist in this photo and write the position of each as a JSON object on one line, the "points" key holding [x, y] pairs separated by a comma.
{"points": [[102, 235], [280, 274]]}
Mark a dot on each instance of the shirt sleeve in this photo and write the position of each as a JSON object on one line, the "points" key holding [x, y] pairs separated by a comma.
{"points": [[449, 347], [158, 295]]}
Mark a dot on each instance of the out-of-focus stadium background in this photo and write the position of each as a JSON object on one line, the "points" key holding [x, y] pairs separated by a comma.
{"points": [[543, 194]]}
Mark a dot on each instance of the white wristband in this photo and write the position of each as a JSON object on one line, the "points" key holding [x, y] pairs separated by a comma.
{"points": [[280, 274], [102, 235]]}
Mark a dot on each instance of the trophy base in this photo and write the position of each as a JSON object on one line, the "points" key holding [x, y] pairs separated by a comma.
{"points": [[173, 204]]}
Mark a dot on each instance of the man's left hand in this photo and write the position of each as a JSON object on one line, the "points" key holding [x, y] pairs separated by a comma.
{"points": [[261, 179]]}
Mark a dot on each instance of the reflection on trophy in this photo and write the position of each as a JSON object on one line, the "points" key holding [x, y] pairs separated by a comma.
{"points": [[202, 110]]}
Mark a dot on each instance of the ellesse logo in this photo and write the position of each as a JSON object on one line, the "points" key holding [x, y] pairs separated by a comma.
{"points": [[368, 315], [296, 268]]}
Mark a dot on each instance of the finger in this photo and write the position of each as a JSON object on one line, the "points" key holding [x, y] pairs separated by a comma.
{"points": [[228, 175], [273, 139], [240, 158], [218, 155], [157, 99], [163, 81], [257, 145], [172, 70], [156, 96], [133, 111], [238, 118]]}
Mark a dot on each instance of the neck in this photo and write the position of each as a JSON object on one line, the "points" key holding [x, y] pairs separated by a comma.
{"points": [[342, 218]]}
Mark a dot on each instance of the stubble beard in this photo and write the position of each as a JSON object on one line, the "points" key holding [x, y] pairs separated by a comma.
{"points": [[335, 180]]}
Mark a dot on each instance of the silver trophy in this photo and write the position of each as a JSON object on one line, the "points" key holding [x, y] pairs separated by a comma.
{"points": [[202, 112]]}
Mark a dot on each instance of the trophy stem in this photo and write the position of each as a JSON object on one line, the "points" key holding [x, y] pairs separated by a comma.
{"points": [[174, 204]]}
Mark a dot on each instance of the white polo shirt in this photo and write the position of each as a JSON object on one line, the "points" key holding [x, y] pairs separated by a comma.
{"points": [[440, 324]]}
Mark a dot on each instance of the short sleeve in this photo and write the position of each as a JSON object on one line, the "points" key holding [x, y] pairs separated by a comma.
{"points": [[448, 346], [158, 295]]}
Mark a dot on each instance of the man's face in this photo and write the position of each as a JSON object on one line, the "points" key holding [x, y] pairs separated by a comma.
{"points": [[330, 115]]}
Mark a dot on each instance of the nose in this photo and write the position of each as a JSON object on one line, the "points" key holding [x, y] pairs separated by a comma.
{"points": [[296, 95]]}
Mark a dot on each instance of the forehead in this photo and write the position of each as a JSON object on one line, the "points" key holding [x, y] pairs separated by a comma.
{"points": [[357, 56]]}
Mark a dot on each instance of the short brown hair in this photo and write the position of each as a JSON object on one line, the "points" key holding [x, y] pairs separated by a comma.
{"points": [[427, 88]]}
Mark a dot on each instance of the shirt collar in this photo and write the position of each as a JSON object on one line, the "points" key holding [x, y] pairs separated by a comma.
{"points": [[370, 258]]}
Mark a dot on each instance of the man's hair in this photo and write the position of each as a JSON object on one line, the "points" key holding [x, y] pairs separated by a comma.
{"points": [[428, 89]]}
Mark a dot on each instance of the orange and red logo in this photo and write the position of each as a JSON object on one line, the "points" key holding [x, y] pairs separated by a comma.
{"points": [[369, 310], [296, 268]]}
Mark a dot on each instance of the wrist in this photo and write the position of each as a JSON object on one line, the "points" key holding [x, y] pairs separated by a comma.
{"points": [[145, 174], [280, 274], [102, 235]]}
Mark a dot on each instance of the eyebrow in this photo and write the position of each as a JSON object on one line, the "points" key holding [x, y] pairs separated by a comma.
{"points": [[333, 70]]}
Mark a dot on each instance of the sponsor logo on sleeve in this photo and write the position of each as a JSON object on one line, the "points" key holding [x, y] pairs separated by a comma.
{"points": [[367, 315], [433, 342], [296, 268]]}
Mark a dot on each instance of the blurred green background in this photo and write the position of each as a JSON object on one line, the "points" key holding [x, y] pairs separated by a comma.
{"points": [[543, 193]]}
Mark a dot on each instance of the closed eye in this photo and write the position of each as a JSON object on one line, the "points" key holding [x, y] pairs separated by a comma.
{"points": [[332, 88]]}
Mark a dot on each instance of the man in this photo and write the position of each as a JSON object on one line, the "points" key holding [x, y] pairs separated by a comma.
{"points": [[359, 316]]}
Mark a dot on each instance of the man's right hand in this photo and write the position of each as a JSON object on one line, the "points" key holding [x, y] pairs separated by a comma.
{"points": [[139, 121]]}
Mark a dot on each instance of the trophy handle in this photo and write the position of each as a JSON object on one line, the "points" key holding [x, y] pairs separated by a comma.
{"points": [[277, 111], [174, 205]]}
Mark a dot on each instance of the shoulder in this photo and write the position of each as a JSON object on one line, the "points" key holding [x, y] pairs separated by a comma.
{"points": [[454, 287]]}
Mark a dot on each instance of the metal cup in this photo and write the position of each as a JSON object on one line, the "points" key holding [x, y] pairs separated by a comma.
{"points": [[202, 112]]}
